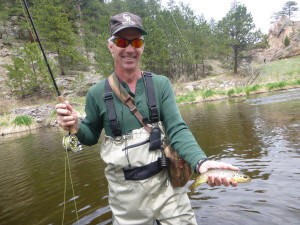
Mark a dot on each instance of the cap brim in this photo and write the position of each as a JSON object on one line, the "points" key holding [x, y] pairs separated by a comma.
{"points": [[143, 32]]}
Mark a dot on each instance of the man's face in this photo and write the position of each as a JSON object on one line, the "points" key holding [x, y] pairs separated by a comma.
{"points": [[126, 59]]}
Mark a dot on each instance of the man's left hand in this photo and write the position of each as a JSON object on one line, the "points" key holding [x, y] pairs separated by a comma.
{"points": [[216, 180]]}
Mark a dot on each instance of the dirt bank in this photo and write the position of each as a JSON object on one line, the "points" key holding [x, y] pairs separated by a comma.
{"points": [[44, 115]]}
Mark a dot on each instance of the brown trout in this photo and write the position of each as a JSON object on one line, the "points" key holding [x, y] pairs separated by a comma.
{"points": [[231, 175]]}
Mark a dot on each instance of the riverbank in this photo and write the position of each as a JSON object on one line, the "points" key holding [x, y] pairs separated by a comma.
{"points": [[198, 96], [41, 116], [44, 115], [271, 76]]}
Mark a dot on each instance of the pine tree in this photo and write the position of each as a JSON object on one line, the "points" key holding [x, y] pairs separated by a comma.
{"points": [[57, 32], [28, 74], [237, 32], [289, 9], [156, 57], [17, 76]]}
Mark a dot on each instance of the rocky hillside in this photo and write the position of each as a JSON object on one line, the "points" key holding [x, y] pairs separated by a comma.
{"points": [[282, 29], [5, 58], [11, 39]]}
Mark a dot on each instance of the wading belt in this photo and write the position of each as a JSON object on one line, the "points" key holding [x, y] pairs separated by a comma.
{"points": [[112, 85]]}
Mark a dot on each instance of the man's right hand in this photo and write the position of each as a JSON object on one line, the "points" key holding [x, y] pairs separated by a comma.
{"points": [[67, 117]]}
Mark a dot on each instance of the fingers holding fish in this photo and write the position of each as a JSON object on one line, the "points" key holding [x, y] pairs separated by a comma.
{"points": [[210, 164], [228, 166], [217, 177], [213, 181], [218, 181]]}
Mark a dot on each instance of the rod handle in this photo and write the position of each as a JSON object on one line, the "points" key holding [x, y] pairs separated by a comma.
{"points": [[73, 128]]}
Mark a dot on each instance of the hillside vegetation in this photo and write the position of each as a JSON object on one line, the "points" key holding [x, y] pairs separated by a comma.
{"points": [[269, 76], [202, 58], [74, 35], [276, 75]]}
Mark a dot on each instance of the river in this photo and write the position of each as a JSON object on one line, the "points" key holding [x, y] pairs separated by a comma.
{"points": [[259, 134]]}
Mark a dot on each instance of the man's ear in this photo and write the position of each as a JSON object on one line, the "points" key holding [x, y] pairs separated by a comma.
{"points": [[110, 47]]}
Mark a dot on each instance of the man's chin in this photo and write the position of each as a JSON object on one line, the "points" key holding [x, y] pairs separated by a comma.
{"points": [[131, 66]]}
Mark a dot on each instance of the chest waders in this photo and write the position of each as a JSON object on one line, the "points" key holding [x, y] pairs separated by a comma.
{"points": [[137, 180]]}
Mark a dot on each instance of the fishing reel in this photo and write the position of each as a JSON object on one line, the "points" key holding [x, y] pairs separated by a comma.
{"points": [[71, 143]]}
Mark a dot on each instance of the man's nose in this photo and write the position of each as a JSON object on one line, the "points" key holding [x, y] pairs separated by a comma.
{"points": [[130, 47]]}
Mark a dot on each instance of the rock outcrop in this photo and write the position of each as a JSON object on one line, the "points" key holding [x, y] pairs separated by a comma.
{"points": [[282, 29]]}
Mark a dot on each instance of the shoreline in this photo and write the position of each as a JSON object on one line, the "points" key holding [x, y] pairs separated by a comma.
{"points": [[46, 121], [218, 97], [19, 129]]}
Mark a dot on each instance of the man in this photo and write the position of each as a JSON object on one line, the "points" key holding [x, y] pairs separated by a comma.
{"points": [[138, 201]]}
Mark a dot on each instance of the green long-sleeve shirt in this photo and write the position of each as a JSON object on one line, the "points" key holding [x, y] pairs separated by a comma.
{"points": [[178, 133]]}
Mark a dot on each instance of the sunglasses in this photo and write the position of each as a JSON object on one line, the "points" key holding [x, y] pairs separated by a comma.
{"points": [[123, 42]]}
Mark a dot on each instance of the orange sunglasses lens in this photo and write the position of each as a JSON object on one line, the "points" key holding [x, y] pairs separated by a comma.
{"points": [[137, 43], [123, 43]]}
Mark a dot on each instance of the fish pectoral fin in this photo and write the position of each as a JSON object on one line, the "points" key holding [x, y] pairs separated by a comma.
{"points": [[192, 189]]}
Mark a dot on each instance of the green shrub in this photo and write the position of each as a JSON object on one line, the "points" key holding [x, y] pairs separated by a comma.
{"points": [[253, 88], [239, 90], [22, 120], [287, 41], [231, 92], [26, 76], [296, 82], [208, 93], [190, 97], [272, 86]]}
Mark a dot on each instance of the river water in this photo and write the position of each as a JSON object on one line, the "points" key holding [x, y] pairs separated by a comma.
{"points": [[260, 134]]}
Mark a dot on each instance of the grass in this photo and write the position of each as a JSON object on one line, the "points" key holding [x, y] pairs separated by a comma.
{"points": [[276, 85], [22, 120], [189, 97], [4, 124], [279, 70], [253, 88], [211, 93], [274, 75], [5, 120], [8, 120], [208, 93]]}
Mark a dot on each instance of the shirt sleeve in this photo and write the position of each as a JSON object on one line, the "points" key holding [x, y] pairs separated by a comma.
{"points": [[181, 138], [91, 126]]}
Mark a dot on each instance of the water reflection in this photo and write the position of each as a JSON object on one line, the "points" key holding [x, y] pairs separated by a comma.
{"points": [[260, 134], [32, 190]]}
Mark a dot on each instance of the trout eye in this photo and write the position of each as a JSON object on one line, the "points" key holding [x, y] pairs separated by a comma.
{"points": [[245, 176]]}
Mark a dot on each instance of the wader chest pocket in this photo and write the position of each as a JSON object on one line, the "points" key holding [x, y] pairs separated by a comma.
{"points": [[155, 139]]}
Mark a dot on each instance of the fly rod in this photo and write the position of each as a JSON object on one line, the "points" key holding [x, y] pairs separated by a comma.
{"points": [[70, 142]]}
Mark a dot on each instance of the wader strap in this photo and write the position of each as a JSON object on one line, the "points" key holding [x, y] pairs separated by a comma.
{"points": [[151, 97], [143, 172], [123, 95], [111, 112]]}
